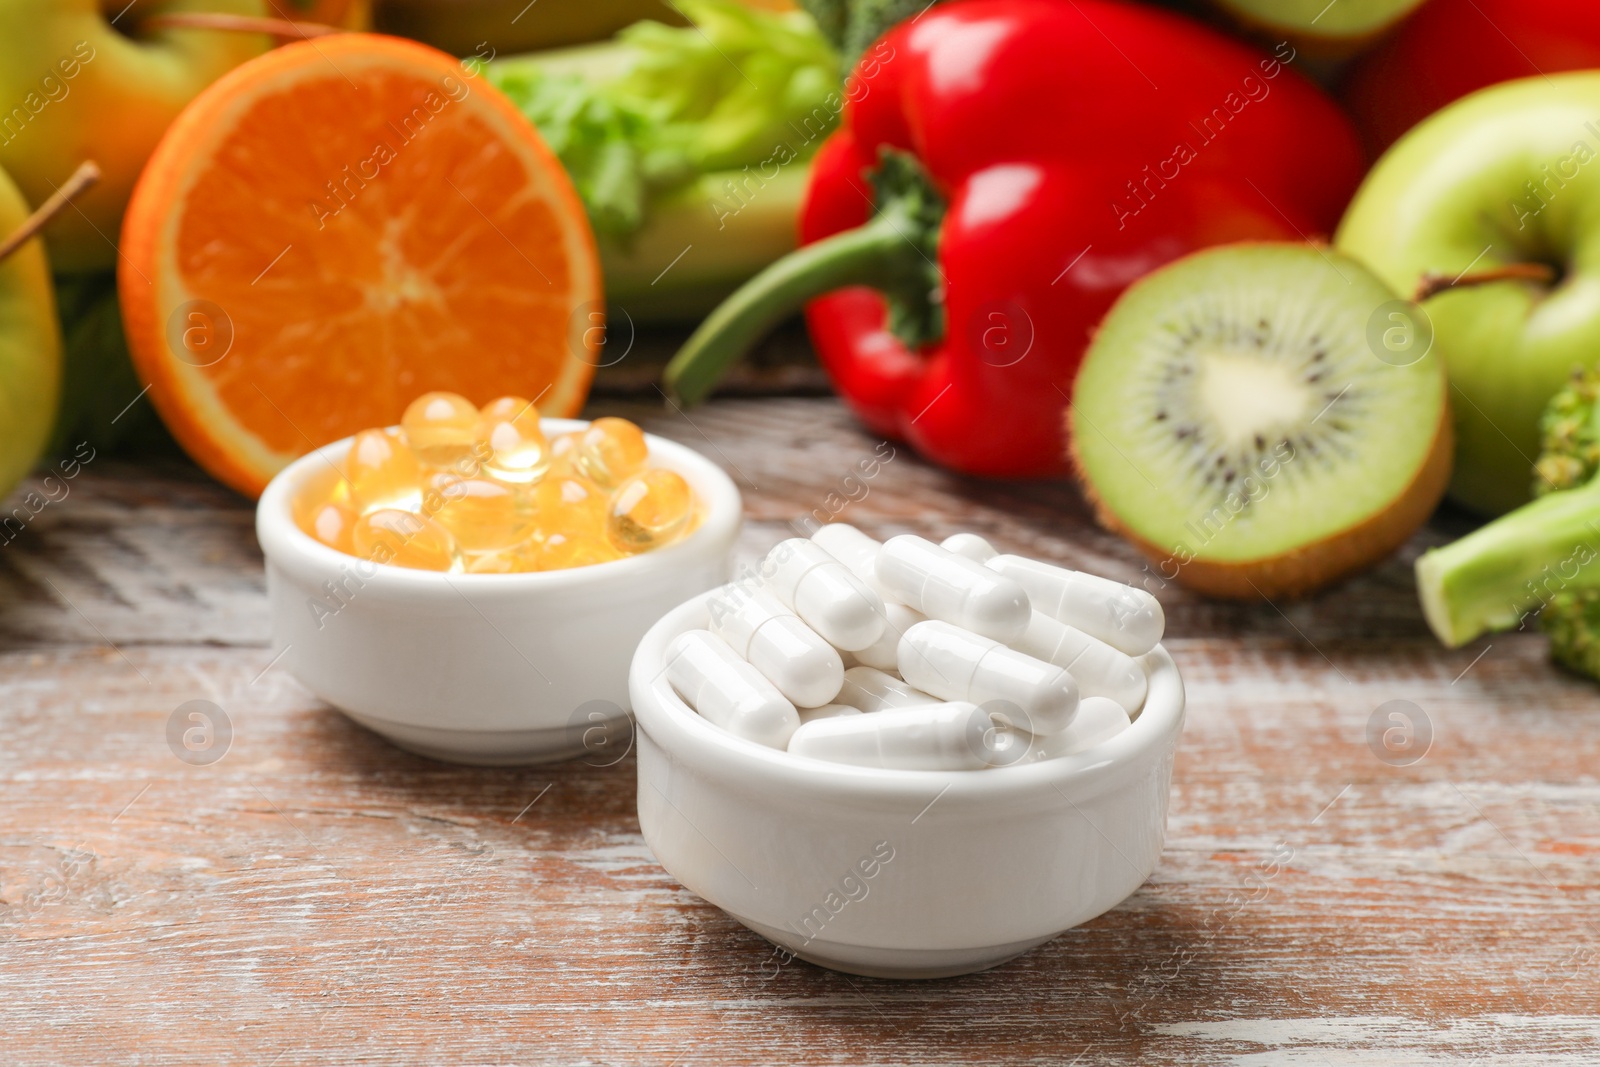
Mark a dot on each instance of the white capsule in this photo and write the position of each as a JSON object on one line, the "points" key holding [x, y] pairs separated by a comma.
{"points": [[827, 711], [956, 664], [943, 585], [970, 545], [929, 737], [823, 592], [859, 552], [727, 691], [1098, 719], [870, 689], [1099, 669], [884, 653], [1129, 620], [854, 549], [790, 654]]}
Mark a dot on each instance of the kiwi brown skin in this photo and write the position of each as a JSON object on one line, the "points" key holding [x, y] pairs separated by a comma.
{"points": [[1308, 568]]}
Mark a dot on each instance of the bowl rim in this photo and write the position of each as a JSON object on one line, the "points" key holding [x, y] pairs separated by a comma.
{"points": [[687, 738], [284, 543]]}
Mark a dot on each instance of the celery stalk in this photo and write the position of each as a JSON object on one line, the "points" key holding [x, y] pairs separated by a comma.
{"points": [[689, 147], [699, 243]]}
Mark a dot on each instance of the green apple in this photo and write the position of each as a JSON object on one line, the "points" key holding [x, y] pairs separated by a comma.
{"points": [[73, 86], [30, 348], [1321, 26], [1504, 181], [507, 27], [102, 399], [348, 14]]}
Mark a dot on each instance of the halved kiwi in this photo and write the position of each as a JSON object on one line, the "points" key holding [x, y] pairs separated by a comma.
{"points": [[1262, 419]]}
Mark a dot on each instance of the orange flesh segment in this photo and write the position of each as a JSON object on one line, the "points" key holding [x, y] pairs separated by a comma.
{"points": [[374, 224]]}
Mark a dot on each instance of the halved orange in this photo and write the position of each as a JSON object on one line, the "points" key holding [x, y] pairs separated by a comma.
{"points": [[336, 227]]}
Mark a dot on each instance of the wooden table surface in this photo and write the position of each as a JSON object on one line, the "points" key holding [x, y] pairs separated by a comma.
{"points": [[318, 896]]}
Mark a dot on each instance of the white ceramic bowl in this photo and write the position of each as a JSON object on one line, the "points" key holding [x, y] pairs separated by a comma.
{"points": [[899, 874], [480, 668]]}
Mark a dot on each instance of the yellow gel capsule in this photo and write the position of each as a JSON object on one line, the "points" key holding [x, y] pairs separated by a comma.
{"points": [[482, 515], [515, 447], [569, 505], [506, 561], [610, 450], [331, 523], [559, 551], [404, 539], [507, 407], [381, 472], [441, 428], [563, 447], [324, 486], [649, 510]]}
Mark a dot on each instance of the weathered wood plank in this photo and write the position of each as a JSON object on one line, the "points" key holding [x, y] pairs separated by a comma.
{"points": [[156, 553], [324, 893], [318, 896]]}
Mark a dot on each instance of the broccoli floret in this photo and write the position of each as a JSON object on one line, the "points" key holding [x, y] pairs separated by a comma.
{"points": [[1569, 447], [852, 25], [1569, 457], [832, 18], [1573, 622], [1543, 557]]}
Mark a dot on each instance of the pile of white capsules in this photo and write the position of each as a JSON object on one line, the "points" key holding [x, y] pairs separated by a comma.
{"points": [[920, 656]]}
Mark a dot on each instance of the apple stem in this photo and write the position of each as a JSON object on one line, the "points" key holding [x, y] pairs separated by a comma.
{"points": [[282, 29], [1434, 284], [87, 174]]}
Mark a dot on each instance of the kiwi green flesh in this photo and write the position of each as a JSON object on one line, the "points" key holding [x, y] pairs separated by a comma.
{"points": [[1321, 19], [1230, 409]]}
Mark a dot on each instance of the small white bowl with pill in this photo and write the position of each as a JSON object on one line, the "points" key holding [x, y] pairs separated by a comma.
{"points": [[490, 669], [929, 794]]}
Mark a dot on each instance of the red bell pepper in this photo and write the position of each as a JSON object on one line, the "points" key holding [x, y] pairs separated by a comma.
{"points": [[1450, 48], [1004, 169]]}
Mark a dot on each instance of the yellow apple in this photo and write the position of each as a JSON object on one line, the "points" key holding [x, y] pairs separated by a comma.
{"points": [[30, 349], [79, 80]]}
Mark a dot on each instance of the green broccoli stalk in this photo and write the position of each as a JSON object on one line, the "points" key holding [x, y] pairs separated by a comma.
{"points": [[1543, 557]]}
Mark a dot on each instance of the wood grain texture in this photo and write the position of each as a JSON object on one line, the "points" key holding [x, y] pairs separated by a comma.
{"points": [[319, 897]]}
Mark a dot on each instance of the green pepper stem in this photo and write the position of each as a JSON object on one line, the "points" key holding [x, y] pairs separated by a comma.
{"points": [[893, 252], [873, 254]]}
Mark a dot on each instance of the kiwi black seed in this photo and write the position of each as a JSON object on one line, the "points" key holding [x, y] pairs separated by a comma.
{"points": [[1237, 426]]}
